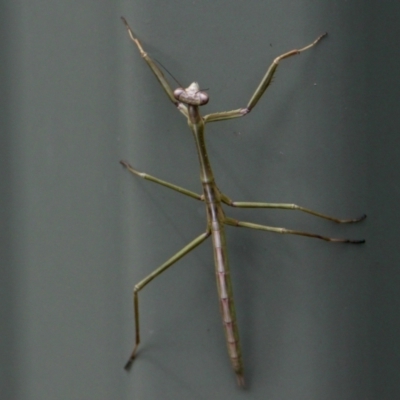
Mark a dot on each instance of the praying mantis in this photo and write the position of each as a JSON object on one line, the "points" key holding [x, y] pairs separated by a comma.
{"points": [[188, 102]]}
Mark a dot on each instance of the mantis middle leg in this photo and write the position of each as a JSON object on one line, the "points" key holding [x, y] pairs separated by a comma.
{"points": [[161, 182], [287, 206]]}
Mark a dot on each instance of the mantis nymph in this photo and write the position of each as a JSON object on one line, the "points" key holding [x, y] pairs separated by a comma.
{"points": [[188, 101]]}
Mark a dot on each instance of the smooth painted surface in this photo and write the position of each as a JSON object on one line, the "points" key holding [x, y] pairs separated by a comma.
{"points": [[317, 320]]}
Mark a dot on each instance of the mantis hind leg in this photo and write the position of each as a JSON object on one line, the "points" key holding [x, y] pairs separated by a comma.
{"points": [[234, 222], [139, 286]]}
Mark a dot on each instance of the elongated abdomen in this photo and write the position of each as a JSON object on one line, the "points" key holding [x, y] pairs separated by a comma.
{"points": [[227, 307]]}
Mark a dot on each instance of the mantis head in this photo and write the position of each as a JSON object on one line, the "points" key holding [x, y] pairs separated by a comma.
{"points": [[192, 95]]}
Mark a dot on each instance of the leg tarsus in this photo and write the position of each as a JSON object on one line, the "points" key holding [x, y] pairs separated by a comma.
{"points": [[240, 379], [129, 363], [360, 218]]}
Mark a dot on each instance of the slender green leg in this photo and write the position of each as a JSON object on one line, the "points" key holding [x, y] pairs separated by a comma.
{"points": [[139, 286], [262, 87], [161, 182], [285, 206], [234, 222]]}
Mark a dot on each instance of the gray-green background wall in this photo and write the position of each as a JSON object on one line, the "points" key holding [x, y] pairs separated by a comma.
{"points": [[317, 320]]}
